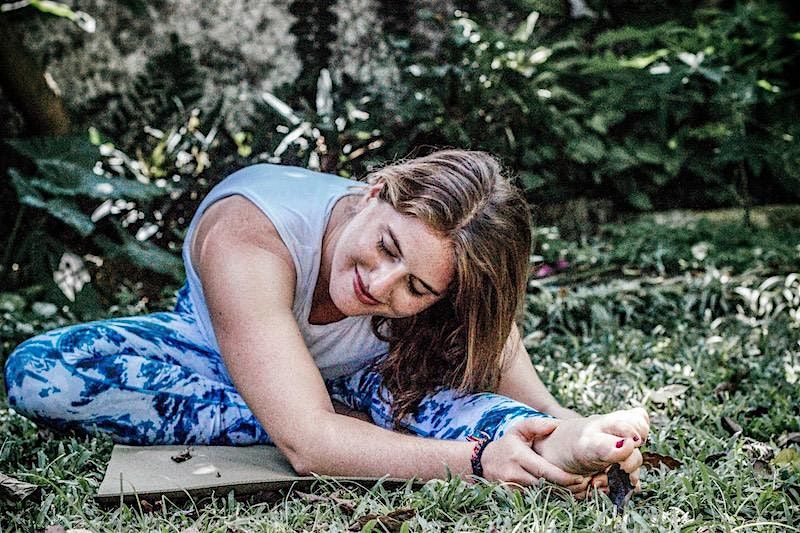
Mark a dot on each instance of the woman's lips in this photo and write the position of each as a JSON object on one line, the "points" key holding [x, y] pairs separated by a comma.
{"points": [[361, 293]]}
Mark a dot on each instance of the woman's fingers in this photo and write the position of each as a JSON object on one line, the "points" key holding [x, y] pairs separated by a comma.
{"points": [[511, 458], [636, 480], [532, 429], [537, 466], [580, 490], [632, 462], [599, 481]]}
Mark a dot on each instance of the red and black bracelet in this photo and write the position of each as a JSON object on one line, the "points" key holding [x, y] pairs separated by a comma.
{"points": [[477, 452]]}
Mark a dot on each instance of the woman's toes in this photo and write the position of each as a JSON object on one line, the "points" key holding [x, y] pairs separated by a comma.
{"points": [[624, 429], [640, 420], [612, 449]]}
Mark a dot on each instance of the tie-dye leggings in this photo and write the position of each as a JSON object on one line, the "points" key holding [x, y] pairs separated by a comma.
{"points": [[154, 380]]}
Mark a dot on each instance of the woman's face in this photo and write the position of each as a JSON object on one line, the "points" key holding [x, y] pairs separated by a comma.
{"points": [[388, 264]]}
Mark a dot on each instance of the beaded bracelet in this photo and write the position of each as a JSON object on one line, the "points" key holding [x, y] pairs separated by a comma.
{"points": [[477, 452]]}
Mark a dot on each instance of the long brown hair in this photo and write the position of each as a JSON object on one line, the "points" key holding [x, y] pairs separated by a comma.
{"points": [[458, 342]]}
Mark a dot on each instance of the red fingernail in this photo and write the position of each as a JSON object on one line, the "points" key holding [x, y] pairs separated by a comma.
{"points": [[635, 438], [620, 443]]}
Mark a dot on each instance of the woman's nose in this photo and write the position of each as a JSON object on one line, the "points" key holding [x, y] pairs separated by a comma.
{"points": [[385, 278]]}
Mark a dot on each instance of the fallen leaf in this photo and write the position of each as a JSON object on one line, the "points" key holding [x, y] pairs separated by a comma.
{"points": [[654, 460], [16, 490], [181, 457], [758, 411], [391, 521], [759, 450], [619, 487], [714, 458], [345, 505], [148, 507], [789, 438], [731, 384], [668, 392], [730, 425]]}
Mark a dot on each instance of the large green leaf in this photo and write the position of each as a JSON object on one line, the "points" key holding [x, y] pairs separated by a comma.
{"points": [[70, 213], [64, 178], [143, 254], [63, 209], [74, 148]]}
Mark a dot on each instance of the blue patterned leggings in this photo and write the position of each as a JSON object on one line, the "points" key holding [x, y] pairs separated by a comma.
{"points": [[154, 380]]}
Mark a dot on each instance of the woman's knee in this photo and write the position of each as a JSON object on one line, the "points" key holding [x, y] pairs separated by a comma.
{"points": [[43, 371], [83, 344]]}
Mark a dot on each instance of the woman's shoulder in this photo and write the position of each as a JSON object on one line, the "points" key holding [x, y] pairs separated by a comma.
{"points": [[233, 223], [285, 177]]}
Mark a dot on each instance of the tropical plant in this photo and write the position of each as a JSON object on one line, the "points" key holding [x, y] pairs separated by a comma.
{"points": [[689, 112]]}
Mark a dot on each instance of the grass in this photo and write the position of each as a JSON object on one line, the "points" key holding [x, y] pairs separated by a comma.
{"points": [[679, 300]]}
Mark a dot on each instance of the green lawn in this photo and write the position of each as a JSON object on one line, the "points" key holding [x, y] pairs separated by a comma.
{"points": [[697, 318]]}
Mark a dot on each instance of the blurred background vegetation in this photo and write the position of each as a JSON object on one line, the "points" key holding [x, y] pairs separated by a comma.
{"points": [[658, 141], [602, 108]]}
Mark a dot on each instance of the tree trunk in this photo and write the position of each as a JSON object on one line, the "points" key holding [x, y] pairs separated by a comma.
{"points": [[23, 82]]}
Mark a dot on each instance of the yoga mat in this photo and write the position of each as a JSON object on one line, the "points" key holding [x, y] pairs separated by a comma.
{"points": [[150, 472]]}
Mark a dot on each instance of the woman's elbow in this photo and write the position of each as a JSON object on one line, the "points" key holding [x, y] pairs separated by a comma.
{"points": [[307, 453], [298, 457]]}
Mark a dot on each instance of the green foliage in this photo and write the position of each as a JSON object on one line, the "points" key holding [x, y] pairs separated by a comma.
{"points": [[50, 7], [80, 193], [169, 85], [129, 212], [697, 112], [333, 136]]}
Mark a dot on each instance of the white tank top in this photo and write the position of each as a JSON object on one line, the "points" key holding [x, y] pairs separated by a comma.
{"points": [[298, 202]]}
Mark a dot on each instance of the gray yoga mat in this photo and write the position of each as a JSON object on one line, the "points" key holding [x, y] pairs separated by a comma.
{"points": [[150, 472]]}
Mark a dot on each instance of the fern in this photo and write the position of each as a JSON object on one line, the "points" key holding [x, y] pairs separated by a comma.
{"points": [[169, 83]]}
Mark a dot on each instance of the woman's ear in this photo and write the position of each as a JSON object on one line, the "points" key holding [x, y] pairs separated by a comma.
{"points": [[374, 190]]}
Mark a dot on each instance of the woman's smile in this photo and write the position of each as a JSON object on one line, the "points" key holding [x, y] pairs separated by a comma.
{"points": [[361, 292]]}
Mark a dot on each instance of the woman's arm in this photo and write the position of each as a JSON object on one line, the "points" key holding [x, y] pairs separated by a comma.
{"points": [[248, 282], [520, 381]]}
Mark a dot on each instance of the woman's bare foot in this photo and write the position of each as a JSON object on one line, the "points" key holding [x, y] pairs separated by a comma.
{"points": [[589, 445]]}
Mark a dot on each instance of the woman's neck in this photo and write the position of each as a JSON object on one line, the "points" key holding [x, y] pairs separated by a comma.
{"points": [[323, 311]]}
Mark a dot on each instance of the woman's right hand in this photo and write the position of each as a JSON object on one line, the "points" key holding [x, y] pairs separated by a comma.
{"points": [[511, 458]]}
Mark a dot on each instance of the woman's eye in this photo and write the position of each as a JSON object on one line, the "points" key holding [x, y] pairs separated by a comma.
{"points": [[382, 247], [413, 290]]}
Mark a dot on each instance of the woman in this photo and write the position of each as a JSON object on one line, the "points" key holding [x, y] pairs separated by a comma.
{"points": [[396, 298]]}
